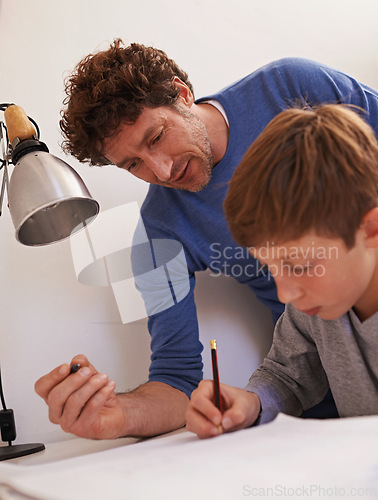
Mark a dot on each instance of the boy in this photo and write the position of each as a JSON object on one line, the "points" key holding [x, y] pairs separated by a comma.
{"points": [[305, 200]]}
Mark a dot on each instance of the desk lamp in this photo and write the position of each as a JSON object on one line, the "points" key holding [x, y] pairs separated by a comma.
{"points": [[48, 201]]}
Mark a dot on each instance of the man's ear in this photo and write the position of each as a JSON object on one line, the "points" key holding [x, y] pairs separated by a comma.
{"points": [[370, 227], [186, 96]]}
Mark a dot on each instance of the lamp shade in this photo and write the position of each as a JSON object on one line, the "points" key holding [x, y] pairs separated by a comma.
{"points": [[48, 200]]}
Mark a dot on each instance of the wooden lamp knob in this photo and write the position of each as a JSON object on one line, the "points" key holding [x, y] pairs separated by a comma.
{"points": [[18, 124]]}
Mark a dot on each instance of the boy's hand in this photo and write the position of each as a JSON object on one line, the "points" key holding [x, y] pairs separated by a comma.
{"points": [[240, 409]]}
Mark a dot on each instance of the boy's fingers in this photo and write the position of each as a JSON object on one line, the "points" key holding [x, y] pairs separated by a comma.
{"points": [[200, 425], [242, 413], [233, 420], [202, 402], [241, 410]]}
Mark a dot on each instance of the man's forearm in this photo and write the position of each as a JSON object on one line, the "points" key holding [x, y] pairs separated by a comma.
{"points": [[153, 408]]}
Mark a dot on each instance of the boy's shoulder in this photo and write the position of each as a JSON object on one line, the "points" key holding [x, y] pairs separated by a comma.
{"points": [[326, 330], [313, 326]]}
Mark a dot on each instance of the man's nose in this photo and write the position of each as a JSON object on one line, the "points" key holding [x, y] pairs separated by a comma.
{"points": [[161, 165]]}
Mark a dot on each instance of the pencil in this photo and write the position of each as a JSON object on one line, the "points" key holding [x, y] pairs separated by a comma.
{"points": [[214, 361]]}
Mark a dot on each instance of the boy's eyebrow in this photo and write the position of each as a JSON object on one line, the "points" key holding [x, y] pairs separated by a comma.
{"points": [[283, 257], [292, 262]]}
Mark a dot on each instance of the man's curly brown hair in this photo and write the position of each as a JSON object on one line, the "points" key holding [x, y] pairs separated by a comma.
{"points": [[112, 87]]}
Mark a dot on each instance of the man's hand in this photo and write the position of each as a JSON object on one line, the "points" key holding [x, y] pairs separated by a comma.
{"points": [[240, 409], [85, 404]]}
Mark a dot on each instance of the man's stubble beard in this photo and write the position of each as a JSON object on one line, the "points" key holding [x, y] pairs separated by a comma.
{"points": [[202, 140]]}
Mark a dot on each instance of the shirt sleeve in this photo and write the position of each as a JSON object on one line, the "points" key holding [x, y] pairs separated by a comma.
{"points": [[291, 378], [176, 349], [166, 283], [320, 84]]}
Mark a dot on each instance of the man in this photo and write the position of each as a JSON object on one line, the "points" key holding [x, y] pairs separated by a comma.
{"points": [[132, 106], [318, 234]]}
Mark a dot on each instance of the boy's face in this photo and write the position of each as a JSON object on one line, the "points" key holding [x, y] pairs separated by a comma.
{"points": [[319, 275]]}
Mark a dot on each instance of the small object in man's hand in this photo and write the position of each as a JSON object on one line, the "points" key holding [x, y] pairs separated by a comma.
{"points": [[75, 368]]}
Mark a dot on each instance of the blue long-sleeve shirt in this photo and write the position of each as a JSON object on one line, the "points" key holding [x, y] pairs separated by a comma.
{"points": [[197, 221]]}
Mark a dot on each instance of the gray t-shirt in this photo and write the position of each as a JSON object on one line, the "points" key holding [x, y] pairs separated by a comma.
{"points": [[309, 355]]}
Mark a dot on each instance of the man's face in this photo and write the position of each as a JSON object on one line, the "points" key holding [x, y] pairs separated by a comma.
{"points": [[166, 146], [320, 275]]}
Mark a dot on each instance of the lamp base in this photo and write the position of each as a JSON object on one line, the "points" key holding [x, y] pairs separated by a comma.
{"points": [[19, 450]]}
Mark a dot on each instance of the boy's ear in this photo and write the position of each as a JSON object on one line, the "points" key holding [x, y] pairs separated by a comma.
{"points": [[370, 227], [185, 92]]}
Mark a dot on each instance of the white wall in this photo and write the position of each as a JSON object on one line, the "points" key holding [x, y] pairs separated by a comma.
{"points": [[46, 315]]}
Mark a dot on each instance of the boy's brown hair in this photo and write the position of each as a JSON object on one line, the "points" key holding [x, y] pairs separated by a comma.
{"points": [[112, 87], [311, 169]]}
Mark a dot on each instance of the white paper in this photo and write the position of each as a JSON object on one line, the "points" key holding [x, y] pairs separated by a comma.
{"points": [[288, 458]]}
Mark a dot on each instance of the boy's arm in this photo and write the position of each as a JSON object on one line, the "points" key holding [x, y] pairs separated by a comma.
{"points": [[291, 378]]}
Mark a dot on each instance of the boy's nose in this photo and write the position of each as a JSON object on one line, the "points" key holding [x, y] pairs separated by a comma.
{"points": [[287, 290]]}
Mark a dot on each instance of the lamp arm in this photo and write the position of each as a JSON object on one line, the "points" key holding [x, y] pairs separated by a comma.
{"points": [[7, 423], [4, 163], [18, 120], [8, 433], [2, 399], [48, 201], [5, 105]]}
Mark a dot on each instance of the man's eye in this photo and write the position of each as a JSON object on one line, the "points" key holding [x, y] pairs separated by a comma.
{"points": [[157, 138], [132, 166]]}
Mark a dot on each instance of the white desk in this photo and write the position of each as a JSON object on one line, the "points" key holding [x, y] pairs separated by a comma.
{"points": [[288, 458], [70, 448]]}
